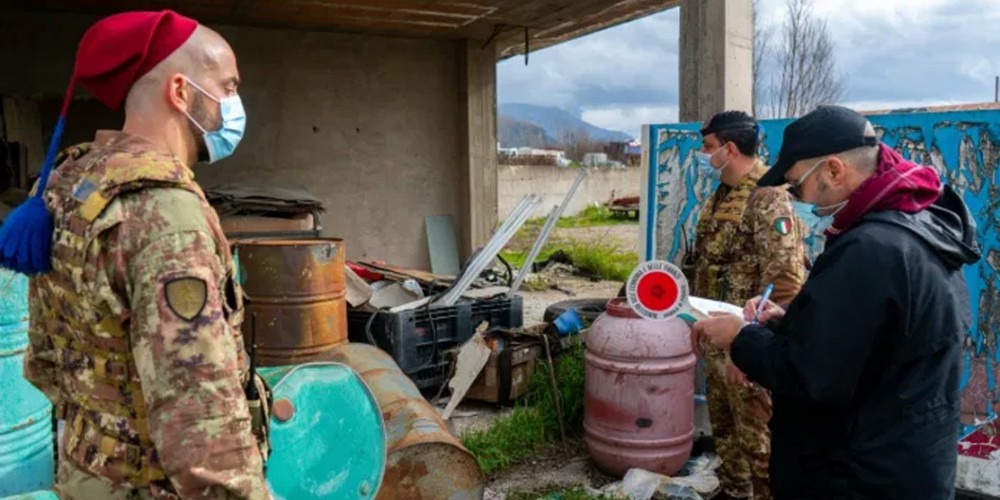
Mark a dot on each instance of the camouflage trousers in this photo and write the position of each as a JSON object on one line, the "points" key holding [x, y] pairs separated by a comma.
{"points": [[739, 416], [74, 483]]}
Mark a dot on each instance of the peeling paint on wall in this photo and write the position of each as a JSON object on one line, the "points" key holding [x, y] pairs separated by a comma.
{"points": [[964, 147]]}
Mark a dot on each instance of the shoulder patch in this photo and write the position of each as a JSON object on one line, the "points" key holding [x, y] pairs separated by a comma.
{"points": [[84, 189], [92, 202], [783, 225], [186, 297]]}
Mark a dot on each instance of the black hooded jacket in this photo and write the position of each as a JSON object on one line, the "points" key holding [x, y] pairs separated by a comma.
{"points": [[864, 367]]}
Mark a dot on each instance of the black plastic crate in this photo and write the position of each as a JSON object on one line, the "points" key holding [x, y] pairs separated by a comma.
{"points": [[499, 312], [416, 339]]}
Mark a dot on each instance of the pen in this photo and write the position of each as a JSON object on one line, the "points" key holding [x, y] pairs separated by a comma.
{"points": [[763, 302]]}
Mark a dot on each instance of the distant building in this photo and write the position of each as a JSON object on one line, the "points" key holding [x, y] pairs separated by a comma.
{"points": [[626, 153], [532, 156], [595, 159]]}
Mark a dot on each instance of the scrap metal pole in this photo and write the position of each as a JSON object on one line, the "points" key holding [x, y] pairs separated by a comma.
{"points": [[535, 250], [555, 389], [546, 231], [489, 252]]}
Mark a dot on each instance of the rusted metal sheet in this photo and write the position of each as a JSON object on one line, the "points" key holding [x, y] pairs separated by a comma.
{"points": [[424, 460], [296, 288]]}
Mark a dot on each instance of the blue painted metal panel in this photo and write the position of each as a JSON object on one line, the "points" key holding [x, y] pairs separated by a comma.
{"points": [[26, 462], [334, 445], [964, 146]]}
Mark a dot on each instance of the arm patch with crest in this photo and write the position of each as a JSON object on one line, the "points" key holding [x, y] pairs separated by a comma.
{"points": [[186, 296]]}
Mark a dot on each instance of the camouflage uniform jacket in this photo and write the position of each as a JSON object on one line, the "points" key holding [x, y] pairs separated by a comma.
{"points": [[134, 334], [747, 237]]}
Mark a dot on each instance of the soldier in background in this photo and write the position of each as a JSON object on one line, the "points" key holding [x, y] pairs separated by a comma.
{"points": [[134, 331], [745, 239]]}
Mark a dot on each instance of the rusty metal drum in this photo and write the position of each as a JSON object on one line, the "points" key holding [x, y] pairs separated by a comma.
{"points": [[639, 392], [296, 288], [424, 460], [327, 436]]}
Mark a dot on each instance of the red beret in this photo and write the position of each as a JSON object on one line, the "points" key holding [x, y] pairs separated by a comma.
{"points": [[118, 50]]}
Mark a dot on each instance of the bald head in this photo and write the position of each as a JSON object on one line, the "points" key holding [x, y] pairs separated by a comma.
{"points": [[181, 94], [203, 54]]}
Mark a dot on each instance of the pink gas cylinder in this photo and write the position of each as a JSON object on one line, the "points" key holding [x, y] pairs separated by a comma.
{"points": [[639, 392]]}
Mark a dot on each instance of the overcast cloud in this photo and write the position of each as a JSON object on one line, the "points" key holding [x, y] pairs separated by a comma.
{"points": [[894, 53]]}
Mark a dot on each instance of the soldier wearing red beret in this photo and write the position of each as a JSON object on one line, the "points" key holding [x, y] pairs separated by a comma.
{"points": [[135, 313]]}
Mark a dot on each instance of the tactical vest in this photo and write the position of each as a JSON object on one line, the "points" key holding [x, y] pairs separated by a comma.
{"points": [[720, 241], [87, 325]]}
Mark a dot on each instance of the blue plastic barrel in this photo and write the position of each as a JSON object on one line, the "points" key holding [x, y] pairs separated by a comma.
{"points": [[35, 495], [327, 438], [25, 413]]}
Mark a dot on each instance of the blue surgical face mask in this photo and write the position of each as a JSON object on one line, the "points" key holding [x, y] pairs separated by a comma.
{"points": [[704, 163], [221, 143], [828, 210], [825, 213]]}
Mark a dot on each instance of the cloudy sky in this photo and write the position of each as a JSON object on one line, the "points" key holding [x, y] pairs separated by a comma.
{"points": [[894, 53]]}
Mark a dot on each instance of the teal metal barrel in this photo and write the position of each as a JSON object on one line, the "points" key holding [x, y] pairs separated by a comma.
{"points": [[425, 461], [327, 435], [35, 495], [26, 463]]}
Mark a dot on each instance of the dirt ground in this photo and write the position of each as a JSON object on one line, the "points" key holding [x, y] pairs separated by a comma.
{"points": [[559, 469], [535, 303]]}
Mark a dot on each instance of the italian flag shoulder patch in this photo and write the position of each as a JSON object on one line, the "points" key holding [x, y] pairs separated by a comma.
{"points": [[783, 225]]}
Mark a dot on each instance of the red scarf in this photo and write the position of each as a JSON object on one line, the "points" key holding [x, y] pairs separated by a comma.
{"points": [[897, 184]]}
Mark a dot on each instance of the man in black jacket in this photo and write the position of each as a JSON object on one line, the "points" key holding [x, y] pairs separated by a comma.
{"points": [[864, 365]]}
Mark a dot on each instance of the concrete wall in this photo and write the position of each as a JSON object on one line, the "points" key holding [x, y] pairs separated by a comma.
{"points": [[369, 124], [964, 147], [554, 182]]}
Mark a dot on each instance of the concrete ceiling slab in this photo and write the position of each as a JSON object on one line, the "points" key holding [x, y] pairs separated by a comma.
{"points": [[505, 22]]}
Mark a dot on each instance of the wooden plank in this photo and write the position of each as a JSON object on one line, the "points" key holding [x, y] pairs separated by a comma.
{"points": [[401, 273]]}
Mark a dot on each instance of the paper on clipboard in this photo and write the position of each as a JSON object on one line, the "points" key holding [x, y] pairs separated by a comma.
{"points": [[699, 309]]}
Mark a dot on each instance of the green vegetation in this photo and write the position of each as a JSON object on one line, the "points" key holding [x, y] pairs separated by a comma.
{"points": [[596, 257], [533, 427], [511, 439], [602, 259], [570, 494], [593, 215]]}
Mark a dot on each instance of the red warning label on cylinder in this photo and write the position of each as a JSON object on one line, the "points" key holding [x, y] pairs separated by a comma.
{"points": [[657, 290]]}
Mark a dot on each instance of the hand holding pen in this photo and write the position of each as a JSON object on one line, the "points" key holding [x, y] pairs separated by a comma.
{"points": [[760, 310]]}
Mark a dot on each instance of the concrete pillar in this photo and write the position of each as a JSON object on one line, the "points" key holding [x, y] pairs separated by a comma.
{"points": [[716, 57], [478, 185]]}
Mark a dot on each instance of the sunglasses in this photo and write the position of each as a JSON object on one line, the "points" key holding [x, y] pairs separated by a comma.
{"points": [[795, 187]]}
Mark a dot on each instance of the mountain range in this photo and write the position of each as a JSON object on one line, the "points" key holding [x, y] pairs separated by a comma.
{"points": [[527, 125]]}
